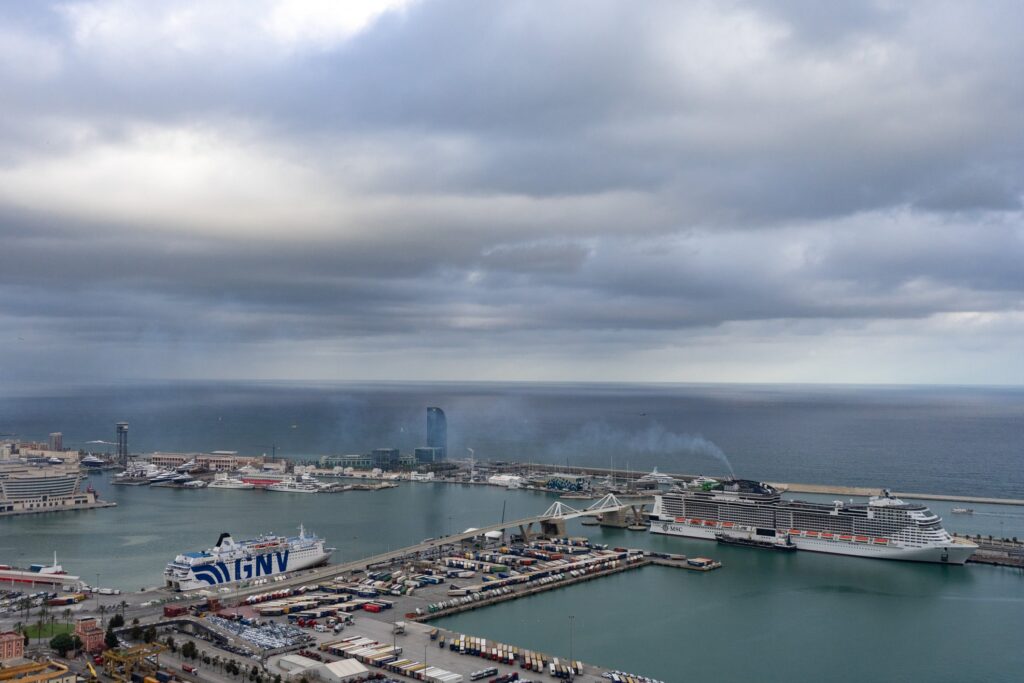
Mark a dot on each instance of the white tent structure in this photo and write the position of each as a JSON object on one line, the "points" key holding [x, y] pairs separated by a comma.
{"points": [[342, 671]]}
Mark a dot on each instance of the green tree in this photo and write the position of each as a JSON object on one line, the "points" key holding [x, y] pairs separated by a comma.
{"points": [[61, 643], [116, 621], [149, 635], [111, 640], [136, 632]]}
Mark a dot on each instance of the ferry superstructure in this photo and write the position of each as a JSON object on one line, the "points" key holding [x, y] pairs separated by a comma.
{"points": [[230, 561], [884, 528]]}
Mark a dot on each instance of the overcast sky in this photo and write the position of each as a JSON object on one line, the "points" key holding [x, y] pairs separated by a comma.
{"points": [[720, 191]]}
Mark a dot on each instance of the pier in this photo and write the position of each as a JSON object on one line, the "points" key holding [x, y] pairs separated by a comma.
{"points": [[646, 560]]}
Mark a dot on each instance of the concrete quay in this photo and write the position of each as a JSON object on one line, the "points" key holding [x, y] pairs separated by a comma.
{"points": [[98, 505]]}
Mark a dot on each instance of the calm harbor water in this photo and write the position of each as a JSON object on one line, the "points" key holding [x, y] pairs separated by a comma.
{"points": [[764, 616]]}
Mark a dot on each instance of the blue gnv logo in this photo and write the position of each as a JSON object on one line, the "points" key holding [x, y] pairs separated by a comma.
{"points": [[262, 565]]}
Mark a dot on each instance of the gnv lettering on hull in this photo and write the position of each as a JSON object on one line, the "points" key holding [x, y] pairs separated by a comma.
{"points": [[262, 565]]}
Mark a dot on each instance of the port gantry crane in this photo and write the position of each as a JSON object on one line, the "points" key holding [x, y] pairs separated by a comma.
{"points": [[121, 663]]}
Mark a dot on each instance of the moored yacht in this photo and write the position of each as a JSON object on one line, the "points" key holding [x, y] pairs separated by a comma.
{"points": [[223, 481], [294, 486]]}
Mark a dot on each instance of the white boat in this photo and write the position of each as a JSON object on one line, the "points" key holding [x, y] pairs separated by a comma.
{"points": [[963, 511], [223, 481], [92, 461], [294, 486], [656, 479], [138, 472], [162, 476], [195, 484]]}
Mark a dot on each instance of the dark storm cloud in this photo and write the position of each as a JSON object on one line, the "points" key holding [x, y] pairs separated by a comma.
{"points": [[504, 179]]}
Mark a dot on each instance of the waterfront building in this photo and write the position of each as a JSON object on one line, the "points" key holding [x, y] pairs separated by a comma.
{"points": [[26, 488], [437, 431], [386, 458], [42, 451], [426, 454], [358, 462], [12, 645], [37, 672], [217, 461], [56, 441], [90, 633]]}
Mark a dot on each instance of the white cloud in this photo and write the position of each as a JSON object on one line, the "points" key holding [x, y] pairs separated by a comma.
{"points": [[324, 23], [163, 32]]}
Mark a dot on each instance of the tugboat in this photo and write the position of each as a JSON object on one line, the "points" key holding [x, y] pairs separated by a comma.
{"points": [[766, 539]]}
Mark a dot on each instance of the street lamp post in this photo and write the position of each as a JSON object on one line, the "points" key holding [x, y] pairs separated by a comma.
{"points": [[572, 664]]}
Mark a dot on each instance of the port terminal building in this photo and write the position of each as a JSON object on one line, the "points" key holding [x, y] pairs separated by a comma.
{"points": [[216, 461]]}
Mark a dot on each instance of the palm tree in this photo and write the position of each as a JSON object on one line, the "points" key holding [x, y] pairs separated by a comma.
{"points": [[123, 604], [67, 617], [41, 619], [103, 611]]}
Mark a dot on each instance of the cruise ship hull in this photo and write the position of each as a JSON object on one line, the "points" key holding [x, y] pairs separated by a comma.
{"points": [[951, 554]]}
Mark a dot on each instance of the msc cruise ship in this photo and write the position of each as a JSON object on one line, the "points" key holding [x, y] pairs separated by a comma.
{"points": [[885, 528]]}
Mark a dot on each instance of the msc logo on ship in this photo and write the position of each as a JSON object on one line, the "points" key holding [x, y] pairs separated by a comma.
{"points": [[252, 568]]}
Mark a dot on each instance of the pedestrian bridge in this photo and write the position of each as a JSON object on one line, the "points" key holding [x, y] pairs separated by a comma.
{"points": [[612, 511]]}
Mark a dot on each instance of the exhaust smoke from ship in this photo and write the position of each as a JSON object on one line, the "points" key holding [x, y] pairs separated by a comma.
{"points": [[652, 442]]}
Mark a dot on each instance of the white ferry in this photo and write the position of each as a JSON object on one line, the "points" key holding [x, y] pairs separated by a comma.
{"points": [[230, 561], [885, 528]]}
